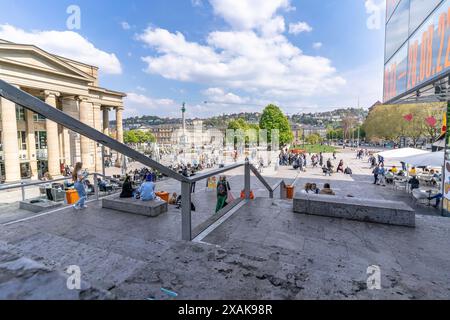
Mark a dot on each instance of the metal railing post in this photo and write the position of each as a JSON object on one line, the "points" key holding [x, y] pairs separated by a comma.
{"points": [[96, 191], [186, 227], [23, 191], [247, 179], [283, 191]]}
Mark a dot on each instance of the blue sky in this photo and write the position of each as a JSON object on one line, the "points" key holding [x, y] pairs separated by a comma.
{"points": [[304, 55]]}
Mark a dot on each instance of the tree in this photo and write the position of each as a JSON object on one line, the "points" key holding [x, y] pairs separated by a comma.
{"points": [[138, 137], [314, 139], [414, 121], [272, 119]]}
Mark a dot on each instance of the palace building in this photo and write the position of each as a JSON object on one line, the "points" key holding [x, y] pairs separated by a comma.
{"points": [[31, 145]]}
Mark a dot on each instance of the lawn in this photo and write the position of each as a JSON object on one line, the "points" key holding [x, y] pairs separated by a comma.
{"points": [[316, 148]]}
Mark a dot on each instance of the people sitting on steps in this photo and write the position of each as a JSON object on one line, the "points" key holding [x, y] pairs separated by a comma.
{"points": [[327, 190], [127, 188]]}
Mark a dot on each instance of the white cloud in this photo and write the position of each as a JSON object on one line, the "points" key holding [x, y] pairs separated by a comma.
{"points": [[218, 95], [317, 45], [299, 27], [197, 3], [125, 25], [68, 44], [248, 14], [139, 104], [242, 60], [252, 57]]}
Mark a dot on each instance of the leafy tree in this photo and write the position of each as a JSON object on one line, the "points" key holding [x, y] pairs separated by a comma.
{"points": [[272, 119], [392, 122], [314, 139], [138, 137]]}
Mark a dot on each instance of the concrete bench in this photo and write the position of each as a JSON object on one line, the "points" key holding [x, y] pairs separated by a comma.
{"points": [[144, 208], [39, 205], [366, 210]]}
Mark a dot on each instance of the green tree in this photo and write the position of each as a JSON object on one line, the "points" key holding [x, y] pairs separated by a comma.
{"points": [[138, 137], [273, 118], [314, 139], [130, 137]]}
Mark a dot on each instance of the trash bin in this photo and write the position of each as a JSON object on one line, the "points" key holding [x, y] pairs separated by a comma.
{"points": [[163, 195], [252, 196], [290, 192], [72, 196]]}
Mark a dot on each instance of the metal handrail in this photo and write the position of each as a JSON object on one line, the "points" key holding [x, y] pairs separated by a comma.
{"points": [[39, 183], [34, 104], [213, 173]]}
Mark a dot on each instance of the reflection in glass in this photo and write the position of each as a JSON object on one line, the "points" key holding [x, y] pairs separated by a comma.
{"points": [[420, 9], [397, 29]]}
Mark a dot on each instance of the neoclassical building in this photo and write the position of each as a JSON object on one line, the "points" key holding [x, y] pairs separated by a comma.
{"points": [[30, 144]]}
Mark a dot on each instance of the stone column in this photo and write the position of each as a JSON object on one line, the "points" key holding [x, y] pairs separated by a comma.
{"points": [[98, 126], [87, 155], [119, 124], [52, 137], [10, 144], [31, 142], [119, 133], [106, 121]]}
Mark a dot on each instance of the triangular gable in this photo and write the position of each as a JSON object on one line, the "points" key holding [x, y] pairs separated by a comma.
{"points": [[34, 57]]}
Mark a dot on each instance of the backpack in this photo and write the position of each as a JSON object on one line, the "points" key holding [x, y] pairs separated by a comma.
{"points": [[222, 189]]}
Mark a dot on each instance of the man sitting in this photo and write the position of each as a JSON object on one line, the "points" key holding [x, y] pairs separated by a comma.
{"points": [[414, 182], [327, 190], [147, 189]]}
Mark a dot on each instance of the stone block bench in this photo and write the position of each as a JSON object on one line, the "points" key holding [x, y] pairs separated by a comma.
{"points": [[39, 205], [144, 208], [366, 210]]}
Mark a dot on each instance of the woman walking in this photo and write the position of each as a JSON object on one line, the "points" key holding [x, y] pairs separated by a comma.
{"points": [[222, 193], [78, 178]]}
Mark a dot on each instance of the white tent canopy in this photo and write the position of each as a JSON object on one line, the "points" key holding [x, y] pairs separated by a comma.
{"points": [[402, 153], [430, 159]]}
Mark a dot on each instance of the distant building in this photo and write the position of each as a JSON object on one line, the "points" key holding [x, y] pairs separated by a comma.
{"points": [[309, 130], [297, 131]]}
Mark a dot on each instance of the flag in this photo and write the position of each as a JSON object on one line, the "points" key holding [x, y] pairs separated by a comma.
{"points": [[431, 121], [408, 117], [444, 123]]}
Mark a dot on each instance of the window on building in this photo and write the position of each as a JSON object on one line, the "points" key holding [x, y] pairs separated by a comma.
{"points": [[420, 9], [38, 118], [41, 140], [20, 113], [22, 140], [397, 29]]}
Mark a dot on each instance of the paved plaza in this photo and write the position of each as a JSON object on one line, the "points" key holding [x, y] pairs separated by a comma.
{"points": [[262, 251]]}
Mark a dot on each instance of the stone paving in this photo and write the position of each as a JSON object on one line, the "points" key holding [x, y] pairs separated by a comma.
{"points": [[263, 251]]}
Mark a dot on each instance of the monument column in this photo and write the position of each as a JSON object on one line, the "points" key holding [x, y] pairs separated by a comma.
{"points": [[9, 137], [98, 127], [87, 156], [53, 155], [31, 142]]}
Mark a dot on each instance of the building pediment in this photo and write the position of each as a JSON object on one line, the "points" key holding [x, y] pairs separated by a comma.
{"points": [[36, 59]]}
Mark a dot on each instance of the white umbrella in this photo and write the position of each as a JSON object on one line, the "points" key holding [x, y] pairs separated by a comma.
{"points": [[430, 159], [401, 153]]}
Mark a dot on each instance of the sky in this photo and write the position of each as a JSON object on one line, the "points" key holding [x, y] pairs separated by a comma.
{"points": [[217, 56]]}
